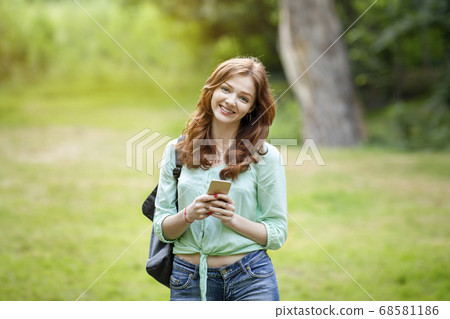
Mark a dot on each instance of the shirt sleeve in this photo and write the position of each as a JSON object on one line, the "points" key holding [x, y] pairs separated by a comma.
{"points": [[272, 198], [166, 196]]}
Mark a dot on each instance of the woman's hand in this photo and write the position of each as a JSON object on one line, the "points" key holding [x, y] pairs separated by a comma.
{"points": [[200, 208], [222, 207]]}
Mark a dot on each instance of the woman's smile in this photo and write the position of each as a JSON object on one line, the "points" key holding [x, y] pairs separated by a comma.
{"points": [[233, 99], [225, 110]]}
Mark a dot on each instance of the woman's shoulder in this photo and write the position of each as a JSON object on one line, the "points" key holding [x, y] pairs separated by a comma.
{"points": [[270, 163], [170, 146], [269, 157], [169, 152], [270, 153], [172, 143]]}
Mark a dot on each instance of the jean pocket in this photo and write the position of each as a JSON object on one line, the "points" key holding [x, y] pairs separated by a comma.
{"points": [[261, 269], [180, 279]]}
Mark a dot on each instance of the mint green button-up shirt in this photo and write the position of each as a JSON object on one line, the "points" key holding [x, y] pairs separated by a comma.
{"points": [[259, 195]]}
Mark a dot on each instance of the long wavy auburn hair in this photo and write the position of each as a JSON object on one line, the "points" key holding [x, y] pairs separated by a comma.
{"points": [[254, 128]]}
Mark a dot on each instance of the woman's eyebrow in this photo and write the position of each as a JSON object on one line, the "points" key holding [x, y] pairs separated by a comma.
{"points": [[243, 92]]}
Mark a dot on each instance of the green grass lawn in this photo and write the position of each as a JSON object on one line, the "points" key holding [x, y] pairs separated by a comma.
{"points": [[69, 205]]}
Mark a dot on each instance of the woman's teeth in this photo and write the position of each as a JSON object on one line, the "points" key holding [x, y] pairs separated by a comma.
{"points": [[226, 110]]}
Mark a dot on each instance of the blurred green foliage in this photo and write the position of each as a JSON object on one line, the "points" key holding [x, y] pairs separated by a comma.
{"points": [[400, 61], [233, 27], [57, 39], [397, 51], [398, 48]]}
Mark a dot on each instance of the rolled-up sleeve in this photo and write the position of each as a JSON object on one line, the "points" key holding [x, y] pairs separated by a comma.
{"points": [[165, 203], [272, 198]]}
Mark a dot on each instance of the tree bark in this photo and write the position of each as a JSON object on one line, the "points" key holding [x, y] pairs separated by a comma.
{"points": [[332, 115]]}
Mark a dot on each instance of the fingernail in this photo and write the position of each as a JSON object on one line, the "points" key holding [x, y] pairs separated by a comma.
{"points": [[210, 213], [215, 195]]}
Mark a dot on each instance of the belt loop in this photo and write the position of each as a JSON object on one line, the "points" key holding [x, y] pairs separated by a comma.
{"points": [[242, 266]]}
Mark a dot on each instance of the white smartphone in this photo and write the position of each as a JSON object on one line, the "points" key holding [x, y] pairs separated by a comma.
{"points": [[219, 187]]}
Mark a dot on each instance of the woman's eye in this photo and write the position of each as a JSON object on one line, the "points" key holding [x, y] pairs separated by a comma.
{"points": [[244, 99], [225, 89]]}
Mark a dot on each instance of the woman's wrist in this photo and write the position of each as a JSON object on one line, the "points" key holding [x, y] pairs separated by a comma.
{"points": [[185, 215], [253, 230], [233, 222]]}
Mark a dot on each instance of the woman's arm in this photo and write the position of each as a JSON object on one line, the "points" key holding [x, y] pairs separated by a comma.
{"points": [[250, 229], [223, 209], [175, 225]]}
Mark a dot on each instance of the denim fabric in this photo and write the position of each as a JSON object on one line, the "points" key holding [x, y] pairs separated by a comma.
{"points": [[250, 278]]}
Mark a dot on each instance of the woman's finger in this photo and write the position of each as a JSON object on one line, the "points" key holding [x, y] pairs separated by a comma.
{"points": [[222, 204], [218, 210], [223, 197], [223, 217], [205, 198], [218, 203]]}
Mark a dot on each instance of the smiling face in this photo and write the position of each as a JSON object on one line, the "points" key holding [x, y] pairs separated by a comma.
{"points": [[232, 100]]}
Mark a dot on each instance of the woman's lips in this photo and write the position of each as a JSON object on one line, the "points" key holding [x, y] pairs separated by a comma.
{"points": [[225, 111]]}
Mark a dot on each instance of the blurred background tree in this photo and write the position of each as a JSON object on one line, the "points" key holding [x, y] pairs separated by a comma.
{"points": [[317, 65], [398, 53]]}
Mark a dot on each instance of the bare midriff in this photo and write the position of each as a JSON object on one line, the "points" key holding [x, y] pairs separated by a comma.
{"points": [[212, 261]]}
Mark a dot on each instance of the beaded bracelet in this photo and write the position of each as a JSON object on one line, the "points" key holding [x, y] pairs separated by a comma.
{"points": [[185, 216]]}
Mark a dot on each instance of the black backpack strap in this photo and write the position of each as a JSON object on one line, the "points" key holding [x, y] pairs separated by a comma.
{"points": [[178, 165], [177, 169]]}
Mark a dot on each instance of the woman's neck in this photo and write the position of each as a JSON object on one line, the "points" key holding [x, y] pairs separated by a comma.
{"points": [[223, 133]]}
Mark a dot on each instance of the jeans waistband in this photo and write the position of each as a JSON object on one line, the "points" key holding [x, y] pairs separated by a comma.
{"points": [[224, 271]]}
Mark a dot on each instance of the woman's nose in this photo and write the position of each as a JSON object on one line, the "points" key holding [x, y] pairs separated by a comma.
{"points": [[231, 99]]}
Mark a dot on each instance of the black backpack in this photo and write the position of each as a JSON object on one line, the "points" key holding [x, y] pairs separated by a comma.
{"points": [[160, 255]]}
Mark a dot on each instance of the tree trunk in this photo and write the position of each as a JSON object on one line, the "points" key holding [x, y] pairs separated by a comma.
{"points": [[332, 115]]}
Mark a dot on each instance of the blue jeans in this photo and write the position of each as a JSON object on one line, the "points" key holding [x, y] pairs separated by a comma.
{"points": [[250, 278]]}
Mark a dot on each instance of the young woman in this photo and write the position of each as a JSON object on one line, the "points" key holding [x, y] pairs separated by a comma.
{"points": [[220, 241]]}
